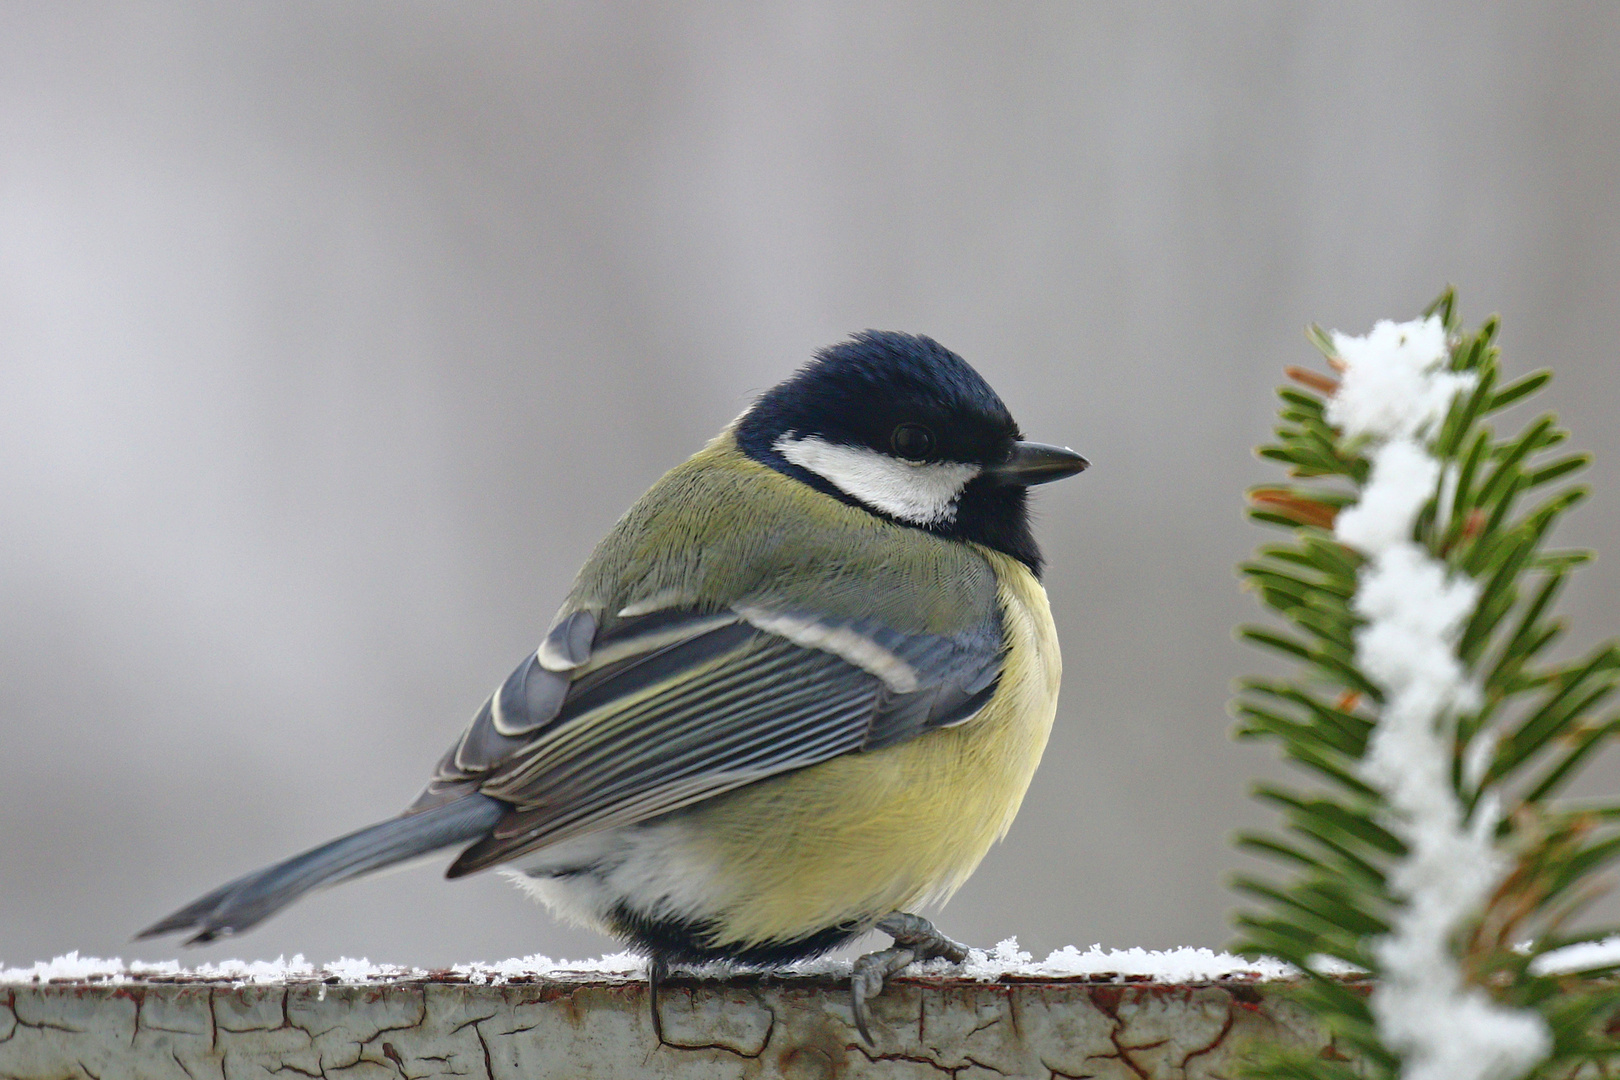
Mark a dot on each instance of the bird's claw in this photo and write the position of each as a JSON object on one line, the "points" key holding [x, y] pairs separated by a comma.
{"points": [[866, 982], [657, 972], [915, 941], [917, 933]]}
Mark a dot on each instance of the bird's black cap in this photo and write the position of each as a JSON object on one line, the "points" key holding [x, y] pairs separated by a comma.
{"points": [[907, 396]]}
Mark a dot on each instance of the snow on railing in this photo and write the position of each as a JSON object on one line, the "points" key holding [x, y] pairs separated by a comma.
{"points": [[1006, 960]]}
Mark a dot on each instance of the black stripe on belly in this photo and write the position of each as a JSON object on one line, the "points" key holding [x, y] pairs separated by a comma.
{"points": [[689, 941]]}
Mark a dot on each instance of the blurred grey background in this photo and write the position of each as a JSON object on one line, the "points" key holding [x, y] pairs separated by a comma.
{"points": [[332, 336]]}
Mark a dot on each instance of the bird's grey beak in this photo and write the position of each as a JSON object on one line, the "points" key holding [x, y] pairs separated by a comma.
{"points": [[1037, 463]]}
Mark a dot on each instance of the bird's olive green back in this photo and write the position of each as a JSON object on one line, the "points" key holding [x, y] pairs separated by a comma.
{"points": [[723, 529]]}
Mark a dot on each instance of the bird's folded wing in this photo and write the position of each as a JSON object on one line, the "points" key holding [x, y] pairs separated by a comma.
{"points": [[677, 706]]}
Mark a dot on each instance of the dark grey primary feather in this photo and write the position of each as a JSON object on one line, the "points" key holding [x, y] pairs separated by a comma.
{"points": [[248, 900]]}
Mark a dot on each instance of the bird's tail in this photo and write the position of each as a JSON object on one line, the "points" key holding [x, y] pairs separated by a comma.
{"points": [[242, 903]]}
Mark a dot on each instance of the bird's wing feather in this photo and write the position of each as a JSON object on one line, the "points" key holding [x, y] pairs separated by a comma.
{"points": [[677, 706]]}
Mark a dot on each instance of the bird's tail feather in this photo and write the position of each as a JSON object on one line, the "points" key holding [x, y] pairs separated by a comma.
{"points": [[242, 903]]}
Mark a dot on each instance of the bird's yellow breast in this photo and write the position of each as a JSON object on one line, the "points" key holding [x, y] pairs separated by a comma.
{"points": [[857, 837]]}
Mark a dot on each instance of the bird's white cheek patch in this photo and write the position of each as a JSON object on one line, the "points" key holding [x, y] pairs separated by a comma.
{"points": [[924, 494]]}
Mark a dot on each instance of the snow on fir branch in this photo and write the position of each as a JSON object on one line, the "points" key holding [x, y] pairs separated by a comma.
{"points": [[1395, 391]]}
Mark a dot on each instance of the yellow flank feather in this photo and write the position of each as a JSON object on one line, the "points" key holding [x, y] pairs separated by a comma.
{"points": [[855, 838]]}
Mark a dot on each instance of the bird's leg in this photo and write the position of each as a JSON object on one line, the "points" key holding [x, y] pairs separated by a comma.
{"points": [[915, 940], [657, 972]]}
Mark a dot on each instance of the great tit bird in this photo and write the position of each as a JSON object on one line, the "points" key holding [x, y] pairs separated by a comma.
{"points": [[799, 689]]}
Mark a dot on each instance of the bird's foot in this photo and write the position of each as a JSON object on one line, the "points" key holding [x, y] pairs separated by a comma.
{"points": [[915, 941]]}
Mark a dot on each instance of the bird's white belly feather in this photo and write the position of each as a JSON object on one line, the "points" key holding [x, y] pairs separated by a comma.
{"points": [[654, 869]]}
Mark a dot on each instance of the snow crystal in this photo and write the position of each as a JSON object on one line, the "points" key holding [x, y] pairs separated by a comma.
{"points": [[1403, 479], [70, 967], [539, 966], [1573, 958], [76, 968], [257, 971], [1185, 965], [1392, 385], [1394, 390], [1414, 612], [348, 970]]}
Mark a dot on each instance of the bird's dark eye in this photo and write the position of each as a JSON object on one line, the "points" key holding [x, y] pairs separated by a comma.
{"points": [[912, 442]]}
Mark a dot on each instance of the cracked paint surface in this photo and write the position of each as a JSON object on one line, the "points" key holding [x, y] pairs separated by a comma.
{"points": [[714, 1029]]}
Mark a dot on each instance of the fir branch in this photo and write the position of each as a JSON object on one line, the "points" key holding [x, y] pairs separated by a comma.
{"points": [[1513, 752]]}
